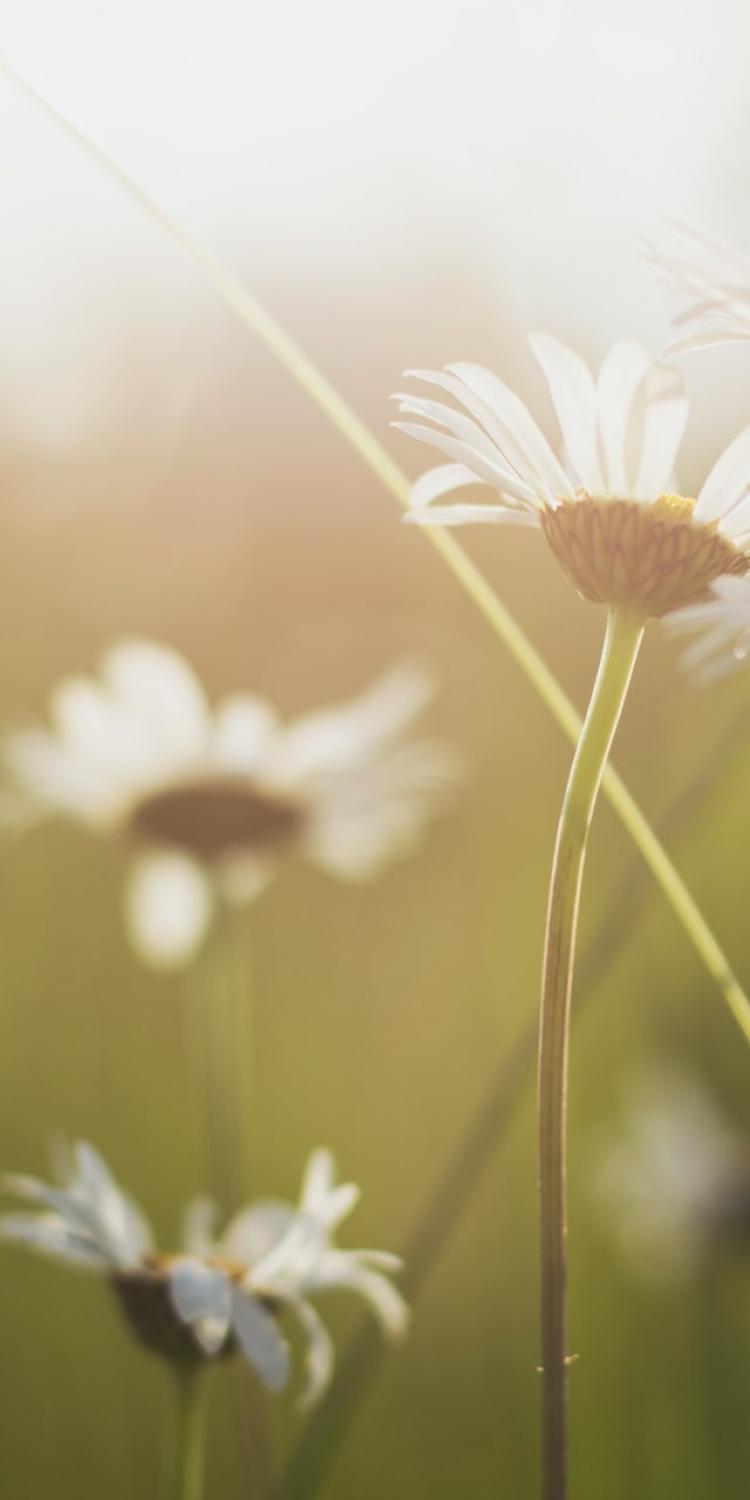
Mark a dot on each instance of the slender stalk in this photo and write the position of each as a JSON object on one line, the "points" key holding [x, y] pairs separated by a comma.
{"points": [[621, 645], [296, 362], [186, 1479], [223, 1002]]}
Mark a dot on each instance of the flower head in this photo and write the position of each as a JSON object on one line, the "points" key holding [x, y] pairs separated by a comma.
{"points": [[215, 799], [607, 510], [674, 1178], [712, 281], [217, 1293]]}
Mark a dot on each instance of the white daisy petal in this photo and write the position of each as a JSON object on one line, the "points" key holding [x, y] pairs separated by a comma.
{"points": [[199, 1291], [620, 378], [727, 483], [320, 1356], [573, 394], [519, 437], [255, 1231], [491, 473], [244, 732], [159, 689], [47, 1235], [664, 417], [259, 1338], [168, 907], [435, 483], [468, 515], [339, 1268]]}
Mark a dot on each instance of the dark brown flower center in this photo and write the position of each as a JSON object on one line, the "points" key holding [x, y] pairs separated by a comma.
{"points": [[210, 818], [145, 1300], [652, 558]]}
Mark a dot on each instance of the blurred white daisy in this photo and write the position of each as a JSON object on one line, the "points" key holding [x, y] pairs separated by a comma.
{"points": [[607, 510], [722, 627], [712, 281], [216, 798], [216, 1294], [673, 1178]]}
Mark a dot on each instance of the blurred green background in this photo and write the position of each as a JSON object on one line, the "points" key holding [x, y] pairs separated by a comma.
{"points": [[272, 559], [403, 189]]}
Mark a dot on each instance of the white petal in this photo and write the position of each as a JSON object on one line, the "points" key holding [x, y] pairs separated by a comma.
{"points": [[494, 474], [202, 1297], [48, 1235], [520, 439], [156, 686], [336, 738], [320, 1197], [574, 397], [620, 378], [253, 1232], [341, 1268], [259, 1338], [461, 427], [728, 481], [244, 732], [53, 778], [470, 515], [320, 1354], [440, 481], [120, 1222], [168, 906], [664, 415]]}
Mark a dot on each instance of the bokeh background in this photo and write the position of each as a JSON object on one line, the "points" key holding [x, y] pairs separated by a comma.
{"points": [[403, 186]]}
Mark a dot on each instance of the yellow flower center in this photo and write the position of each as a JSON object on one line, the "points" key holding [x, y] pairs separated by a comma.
{"points": [[651, 558], [213, 817]]}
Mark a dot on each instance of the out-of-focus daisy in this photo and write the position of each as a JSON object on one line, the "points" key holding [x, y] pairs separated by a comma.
{"points": [[607, 509], [674, 1178], [712, 281], [722, 627], [216, 798], [215, 1294]]}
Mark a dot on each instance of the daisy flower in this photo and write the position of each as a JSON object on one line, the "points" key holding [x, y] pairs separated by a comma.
{"points": [[722, 626], [712, 281], [215, 799], [216, 1294], [607, 508], [674, 1179]]}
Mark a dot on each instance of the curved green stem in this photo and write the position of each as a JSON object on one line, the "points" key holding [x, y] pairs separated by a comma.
{"points": [[255, 317], [186, 1479], [621, 645]]}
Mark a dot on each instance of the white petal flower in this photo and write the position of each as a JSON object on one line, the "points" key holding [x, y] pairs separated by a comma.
{"points": [[712, 281], [722, 629], [215, 1294], [217, 799], [608, 512], [278, 1257], [674, 1179]]}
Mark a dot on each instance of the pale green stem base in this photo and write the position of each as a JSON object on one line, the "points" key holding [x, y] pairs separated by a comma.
{"points": [[188, 1467], [621, 645]]}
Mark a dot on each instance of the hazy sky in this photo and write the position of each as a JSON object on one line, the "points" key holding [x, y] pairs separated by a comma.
{"points": [[336, 138]]}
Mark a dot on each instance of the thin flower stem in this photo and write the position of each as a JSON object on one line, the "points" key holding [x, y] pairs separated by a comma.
{"points": [[259, 321], [186, 1479], [226, 1002], [321, 1438], [621, 645]]}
